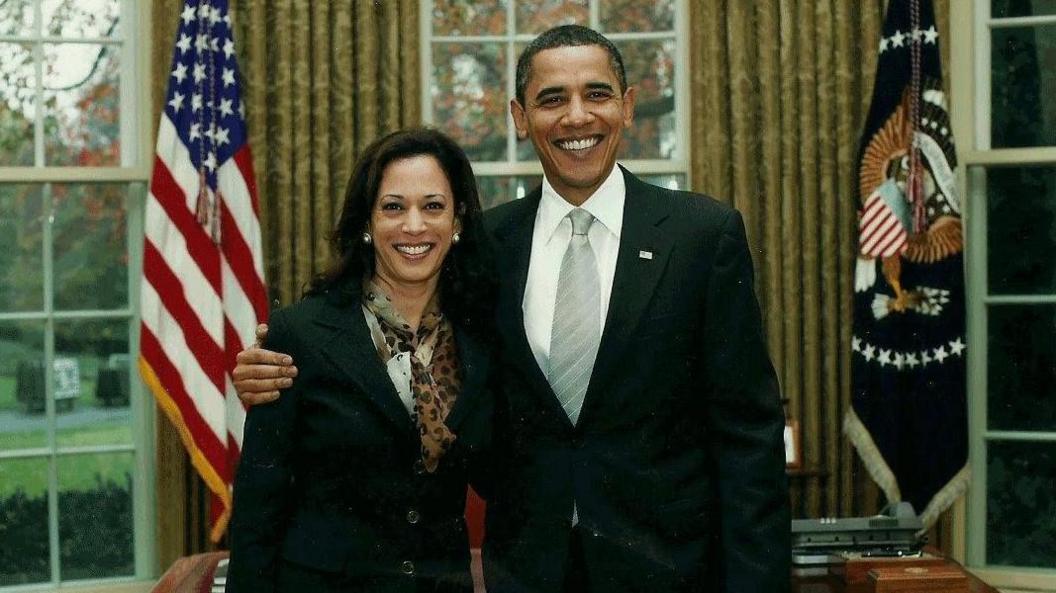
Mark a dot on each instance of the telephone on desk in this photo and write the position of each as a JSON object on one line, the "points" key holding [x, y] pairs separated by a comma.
{"points": [[893, 533]]}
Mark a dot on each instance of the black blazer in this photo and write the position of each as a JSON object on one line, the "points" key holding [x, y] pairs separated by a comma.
{"points": [[330, 494], [677, 464]]}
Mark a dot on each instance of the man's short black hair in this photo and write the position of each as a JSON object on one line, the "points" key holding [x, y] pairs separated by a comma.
{"points": [[566, 36]]}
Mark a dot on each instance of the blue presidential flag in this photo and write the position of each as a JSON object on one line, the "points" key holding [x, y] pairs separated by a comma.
{"points": [[908, 420]]}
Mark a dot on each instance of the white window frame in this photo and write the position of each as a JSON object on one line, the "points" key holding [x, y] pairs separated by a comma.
{"points": [[971, 26], [678, 164], [135, 166]]}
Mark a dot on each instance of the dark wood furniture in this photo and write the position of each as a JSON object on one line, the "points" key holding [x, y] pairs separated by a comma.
{"points": [[933, 574]]}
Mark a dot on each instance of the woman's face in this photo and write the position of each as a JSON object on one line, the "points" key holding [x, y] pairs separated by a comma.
{"points": [[412, 223]]}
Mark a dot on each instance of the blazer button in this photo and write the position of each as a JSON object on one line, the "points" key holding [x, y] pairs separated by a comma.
{"points": [[413, 517], [407, 567]]}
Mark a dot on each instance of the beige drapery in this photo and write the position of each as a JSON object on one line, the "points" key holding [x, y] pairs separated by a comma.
{"points": [[779, 92], [779, 95], [320, 81]]}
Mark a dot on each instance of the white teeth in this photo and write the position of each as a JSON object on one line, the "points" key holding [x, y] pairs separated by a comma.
{"points": [[414, 249], [579, 144]]}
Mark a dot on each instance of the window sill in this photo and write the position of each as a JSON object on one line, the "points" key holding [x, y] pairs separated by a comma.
{"points": [[94, 587], [1018, 579]]}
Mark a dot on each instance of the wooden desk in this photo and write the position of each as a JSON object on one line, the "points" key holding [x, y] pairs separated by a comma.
{"points": [[831, 583]]}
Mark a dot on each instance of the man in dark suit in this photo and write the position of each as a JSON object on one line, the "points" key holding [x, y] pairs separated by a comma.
{"points": [[640, 428]]}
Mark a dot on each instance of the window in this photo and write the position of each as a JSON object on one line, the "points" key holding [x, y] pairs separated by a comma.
{"points": [[470, 50], [1009, 149], [75, 428]]}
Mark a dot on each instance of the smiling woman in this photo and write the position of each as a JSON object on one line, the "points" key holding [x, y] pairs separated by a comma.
{"points": [[413, 225], [355, 478]]}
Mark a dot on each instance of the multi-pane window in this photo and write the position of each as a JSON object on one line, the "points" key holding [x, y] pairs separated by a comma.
{"points": [[73, 490], [1011, 179], [471, 49]]}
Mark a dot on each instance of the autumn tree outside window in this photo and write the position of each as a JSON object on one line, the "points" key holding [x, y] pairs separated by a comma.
{"points": [[470, 50]]}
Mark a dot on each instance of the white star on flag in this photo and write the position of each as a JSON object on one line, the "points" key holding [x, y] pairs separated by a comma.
{"points": [[176, 102], [184, 43], [940, 353], [180, 72], [885, 357]]}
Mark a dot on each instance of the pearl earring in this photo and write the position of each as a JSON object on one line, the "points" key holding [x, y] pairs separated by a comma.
{"points": [[456, 238], [366, 239]]}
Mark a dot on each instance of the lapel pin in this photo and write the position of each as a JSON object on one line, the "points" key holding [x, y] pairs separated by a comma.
{"points": [[645, 254]]}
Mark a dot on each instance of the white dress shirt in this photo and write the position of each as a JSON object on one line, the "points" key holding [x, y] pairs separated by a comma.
{"points": [[550, 238]]}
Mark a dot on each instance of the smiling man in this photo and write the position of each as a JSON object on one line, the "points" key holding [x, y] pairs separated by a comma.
{"points": [[643, 427], [639, 436]]}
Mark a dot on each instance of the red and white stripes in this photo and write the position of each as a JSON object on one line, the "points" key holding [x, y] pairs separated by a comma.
{"points": [[200, 303]]}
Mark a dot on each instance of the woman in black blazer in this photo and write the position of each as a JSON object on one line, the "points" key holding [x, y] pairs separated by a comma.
{"points": [[356, 479]]}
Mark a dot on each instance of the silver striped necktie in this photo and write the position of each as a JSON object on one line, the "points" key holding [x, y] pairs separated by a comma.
{"points": [[576, 330]]}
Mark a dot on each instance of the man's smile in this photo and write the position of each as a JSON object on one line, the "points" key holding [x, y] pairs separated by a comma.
{"points": [[579, 143]]}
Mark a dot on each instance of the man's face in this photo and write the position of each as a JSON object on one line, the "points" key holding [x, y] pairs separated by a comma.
{"points": [[575, 115]]}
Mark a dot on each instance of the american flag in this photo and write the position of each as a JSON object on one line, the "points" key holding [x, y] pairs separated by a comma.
{"points": [[203, 281]]}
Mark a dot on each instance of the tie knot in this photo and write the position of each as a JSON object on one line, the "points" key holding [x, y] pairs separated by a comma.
{"points": [[581, 221]]}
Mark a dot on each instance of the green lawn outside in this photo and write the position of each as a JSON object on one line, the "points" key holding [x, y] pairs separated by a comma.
{"points": [[75, 472], [7, 393], [8, 400]]}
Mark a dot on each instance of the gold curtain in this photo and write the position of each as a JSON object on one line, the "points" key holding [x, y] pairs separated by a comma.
{"points": [[320, 81], [780, 91]]}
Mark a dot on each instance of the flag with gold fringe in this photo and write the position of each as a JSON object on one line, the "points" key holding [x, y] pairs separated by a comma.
{"points": [[202, 292], [908, 419]]}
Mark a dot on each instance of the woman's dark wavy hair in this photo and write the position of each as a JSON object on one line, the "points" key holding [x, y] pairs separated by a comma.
{"points": [[467, 285]]}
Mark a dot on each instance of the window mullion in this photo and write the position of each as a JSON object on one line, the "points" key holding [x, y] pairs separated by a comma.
{"points": [[982, 76], [49, 383], [38, 80], [976, 282], [511, 79]]}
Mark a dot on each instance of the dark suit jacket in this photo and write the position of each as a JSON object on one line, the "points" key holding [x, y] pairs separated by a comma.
{"points": [[676, 464], [329, 493]]}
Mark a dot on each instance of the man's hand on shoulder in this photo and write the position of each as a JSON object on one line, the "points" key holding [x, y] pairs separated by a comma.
{"points": [[260, 374]]}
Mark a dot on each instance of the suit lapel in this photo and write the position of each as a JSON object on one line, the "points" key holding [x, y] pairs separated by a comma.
{"points": [[513, 244], [350, 350], [641, 259]]}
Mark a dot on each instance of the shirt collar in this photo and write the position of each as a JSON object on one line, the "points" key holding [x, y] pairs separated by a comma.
{"points": [[605, 204]]}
